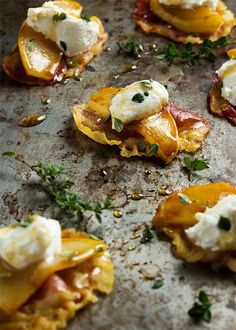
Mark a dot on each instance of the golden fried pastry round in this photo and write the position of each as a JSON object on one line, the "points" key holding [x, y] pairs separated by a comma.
{"points": [[38, 60], [46, 296], [173, 216], [184, 25], [172, 129]]}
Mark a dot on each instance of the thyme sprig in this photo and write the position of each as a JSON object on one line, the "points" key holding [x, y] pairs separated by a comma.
{"points": [[57, 185], [192, 165], [189, 55], [130, 47]]}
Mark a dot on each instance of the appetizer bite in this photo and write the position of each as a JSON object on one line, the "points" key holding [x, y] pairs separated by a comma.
{"points": [[55, 41], [46, 274], [222, 95], [140, 121], [184, 20], [201, 222]]}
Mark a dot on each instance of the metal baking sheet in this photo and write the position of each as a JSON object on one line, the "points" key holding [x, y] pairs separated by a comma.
{"points": [[133, 305]]}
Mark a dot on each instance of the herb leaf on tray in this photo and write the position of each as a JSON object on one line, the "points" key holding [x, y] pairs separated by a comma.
{"points": [[57, 185], [201, 308], [189, 55], [193, 165], [130, 47]]}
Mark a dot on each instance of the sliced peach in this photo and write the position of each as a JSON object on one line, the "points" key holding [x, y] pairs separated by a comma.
{"points": [[201, 20], [174, 214], [100, 101], [160, 129], [14, 69], [40, 56]]}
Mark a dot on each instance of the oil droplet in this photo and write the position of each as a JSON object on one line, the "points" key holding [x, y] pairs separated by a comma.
{"points": [[117, 214], [164, 192], [137, 196], [31, 120], [103, 172], [131, 248], [45, 100], [147, 172], [129, 67]]}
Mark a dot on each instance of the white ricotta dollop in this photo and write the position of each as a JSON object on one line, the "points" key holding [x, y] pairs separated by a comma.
{"points": [[208, 233], [139, 100], [73, 35], [39, 239], [227, 74], [190, 4]]}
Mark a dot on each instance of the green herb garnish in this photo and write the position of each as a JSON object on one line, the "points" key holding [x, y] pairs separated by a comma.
{"points": [[201, 308], [142, 145], [206, 50], [194, 164], [58, 187], [31, 45], [63, 45], [59, 17], [153, 148], [147, 235], [86, 18], [146, 94], [184, 199], [146, 83], [118, 125], [138, 98], [5, 274], [158, 283], [9, 153], [27, 221], [131, 47], [224, 223], [72, 63]]}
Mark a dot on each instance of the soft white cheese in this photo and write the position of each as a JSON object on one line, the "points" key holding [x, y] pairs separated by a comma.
{"points": [[124, 108], [77, 34], [227, 74], [207, 234], [190, 4], [39, 240]]}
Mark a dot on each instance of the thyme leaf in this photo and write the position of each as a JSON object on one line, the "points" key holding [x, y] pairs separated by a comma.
{"points": [[59, 17], [201, 308], [147, 235], [118, 125], [193, 165]]}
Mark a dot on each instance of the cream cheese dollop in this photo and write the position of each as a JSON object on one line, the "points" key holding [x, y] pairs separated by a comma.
{"points": [[227, 74], [73, 35], [209, 232], [190, 4], [35, 239], [139, 100]]}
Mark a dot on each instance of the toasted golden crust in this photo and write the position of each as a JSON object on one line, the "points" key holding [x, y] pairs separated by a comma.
{"points": [[165, 30], [172, 217]]}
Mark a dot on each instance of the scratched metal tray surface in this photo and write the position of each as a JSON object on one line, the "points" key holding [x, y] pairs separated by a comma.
{"points": [[100, 171]]}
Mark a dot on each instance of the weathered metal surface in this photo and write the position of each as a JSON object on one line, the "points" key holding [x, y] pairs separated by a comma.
{"points": [[133, 305]]}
